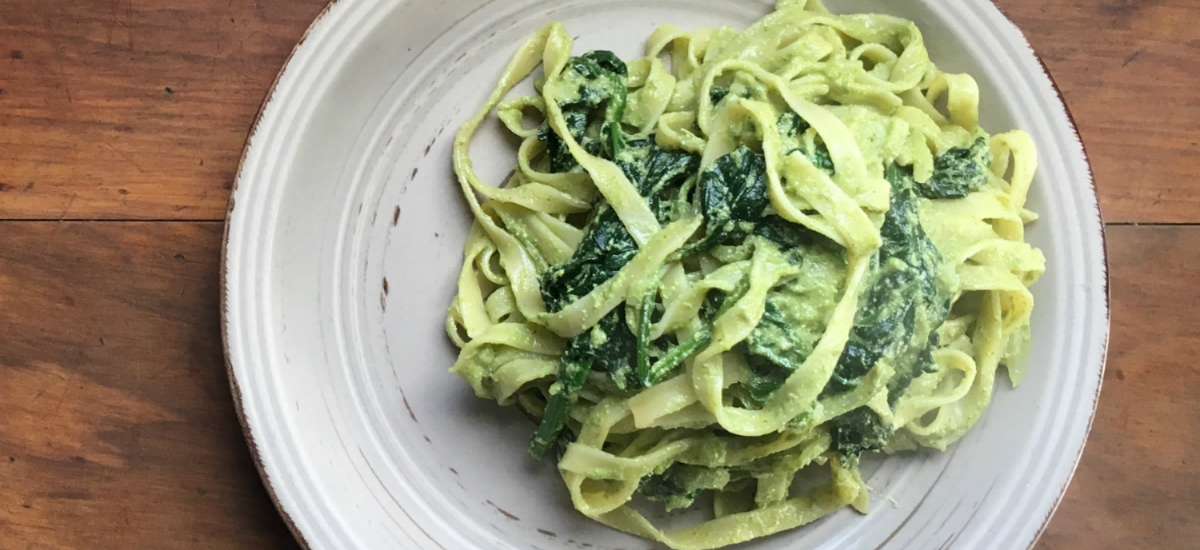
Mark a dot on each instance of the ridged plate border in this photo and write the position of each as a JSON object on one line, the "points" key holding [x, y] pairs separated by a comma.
{"points": [[246, 297]]}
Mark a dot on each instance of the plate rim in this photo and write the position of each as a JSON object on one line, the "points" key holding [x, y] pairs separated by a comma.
{"points": [[269, 97], [1091, 179], [234, 388]]}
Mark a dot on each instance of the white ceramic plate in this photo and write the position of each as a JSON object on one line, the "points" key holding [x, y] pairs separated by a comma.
{"points": [[344, 241]]}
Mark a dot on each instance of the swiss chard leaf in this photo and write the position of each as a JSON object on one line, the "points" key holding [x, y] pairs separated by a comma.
{"points": [[560, 156], [786, 235], [609, 347], [791, 128], [903, 304], [958, 172], [654, 171], [680, 485], [614, 349], [600, 99], [733, 197], [605, 249], [572, 373], [717, 93], [607, 246], [601, 75], [856, 432], [658, 169], [774, 352]]}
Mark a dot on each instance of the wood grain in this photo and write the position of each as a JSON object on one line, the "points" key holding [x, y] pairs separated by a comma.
{"points": [[116, 424], [1127, 70], [118, 427], [121, 432], [88, 128], [1138, 485], [134, 110]]}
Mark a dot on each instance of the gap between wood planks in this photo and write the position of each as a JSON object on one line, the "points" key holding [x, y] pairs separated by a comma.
{"points": [[1153, 224]]}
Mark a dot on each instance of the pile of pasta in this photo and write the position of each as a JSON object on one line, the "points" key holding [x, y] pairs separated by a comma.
{"points": [[743, 255]]}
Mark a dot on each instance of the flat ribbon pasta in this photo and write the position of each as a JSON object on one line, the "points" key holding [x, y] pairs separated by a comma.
{"points": [[740, 256]]}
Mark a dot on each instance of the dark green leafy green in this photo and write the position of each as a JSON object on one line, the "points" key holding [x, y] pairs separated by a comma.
{"points": [[605, 249], [649, 373], [959, 171], [733, 197], [820, 158], [615, 350], [717, 93], [607, 246], [773, 352], [602, 82], [556, 149], [675, 357], [653, 169], [733, 200], [791, 128], [572, 373], [565, 439], [856, 432], [776, 348], [903, 303], [791, 125], [656, 172], [599, 104], [787, 235], [680, 485], [715, 304], [609, 347]]}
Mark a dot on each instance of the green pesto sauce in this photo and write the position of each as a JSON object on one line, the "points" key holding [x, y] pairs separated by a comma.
{"points": [[807, 301]]}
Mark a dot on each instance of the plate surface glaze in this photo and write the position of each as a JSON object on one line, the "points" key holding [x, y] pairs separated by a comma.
{"points": [[345, 239]]}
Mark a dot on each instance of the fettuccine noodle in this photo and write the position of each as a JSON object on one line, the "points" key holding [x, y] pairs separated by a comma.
{"points": [[740, 256]]}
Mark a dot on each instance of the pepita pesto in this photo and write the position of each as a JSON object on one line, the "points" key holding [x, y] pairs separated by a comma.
{"points": [[741, 256]]}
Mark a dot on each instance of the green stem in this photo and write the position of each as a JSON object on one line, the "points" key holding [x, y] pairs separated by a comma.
{"points": [[676, 356], [572, 375], [643, 336]]}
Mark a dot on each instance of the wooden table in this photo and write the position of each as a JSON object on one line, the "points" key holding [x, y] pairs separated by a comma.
{"points": [[121, 124]]}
